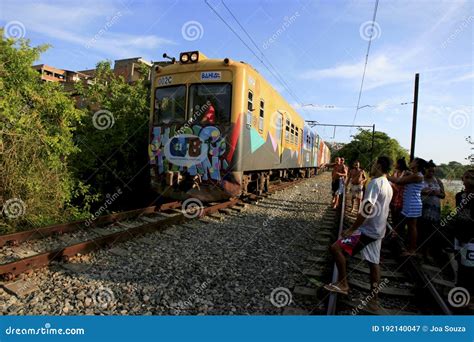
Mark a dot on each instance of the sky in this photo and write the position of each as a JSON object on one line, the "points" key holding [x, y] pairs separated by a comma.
{"points": [[318, 49]]}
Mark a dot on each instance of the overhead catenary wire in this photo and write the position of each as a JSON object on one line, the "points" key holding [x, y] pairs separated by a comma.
{"points": [[260, 59], [366, 60], [282, 80]]}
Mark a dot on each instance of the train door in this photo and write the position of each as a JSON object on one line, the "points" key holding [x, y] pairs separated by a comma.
{"points": [[302, 156], [318, 152], [279, 132]]}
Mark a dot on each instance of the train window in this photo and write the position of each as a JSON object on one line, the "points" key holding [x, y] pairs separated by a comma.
{"points": [[287, 130], [250, 101], [292, 137], [262, 113], [210, 103], [296, 135], [170, 104]]}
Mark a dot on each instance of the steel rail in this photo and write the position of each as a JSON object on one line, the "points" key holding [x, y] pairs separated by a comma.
{"points": [[9, 270], [423, 278], [39, 233], [332, 301]]}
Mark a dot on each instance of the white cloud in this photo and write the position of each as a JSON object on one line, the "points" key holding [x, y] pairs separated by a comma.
{"points": [[90, 25], [465, 77], [380, 71]]}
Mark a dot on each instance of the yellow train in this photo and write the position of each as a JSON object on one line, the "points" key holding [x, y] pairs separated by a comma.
{"points": [[218, 129]]}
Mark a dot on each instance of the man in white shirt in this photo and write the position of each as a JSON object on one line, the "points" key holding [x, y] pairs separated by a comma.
{"points": [[367, 231]]}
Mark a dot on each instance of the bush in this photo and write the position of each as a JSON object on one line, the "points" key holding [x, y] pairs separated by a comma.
{"points": [[37, 121], [113, 138]]}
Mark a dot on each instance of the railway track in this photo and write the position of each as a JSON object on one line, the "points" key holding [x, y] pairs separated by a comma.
{"points": [[407, 286], [25, 251]]}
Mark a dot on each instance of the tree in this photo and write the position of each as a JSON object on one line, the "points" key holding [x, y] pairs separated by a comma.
{"points": [[113, 137], [37, 121], [361, 146], [452, 170]]}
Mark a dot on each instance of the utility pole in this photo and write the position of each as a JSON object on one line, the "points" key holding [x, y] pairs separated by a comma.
{"points": [[415, 113], [372, 148]]}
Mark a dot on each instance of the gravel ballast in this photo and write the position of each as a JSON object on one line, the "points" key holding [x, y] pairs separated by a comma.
{"points": [[208, 266]]}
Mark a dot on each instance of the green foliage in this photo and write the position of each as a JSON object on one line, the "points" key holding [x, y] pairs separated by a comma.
{"points": [[361, 145], [113, 151], [452, 170], [37, 121]]}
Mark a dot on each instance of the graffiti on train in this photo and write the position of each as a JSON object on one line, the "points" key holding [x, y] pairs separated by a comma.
{"points": [[197, 151]]}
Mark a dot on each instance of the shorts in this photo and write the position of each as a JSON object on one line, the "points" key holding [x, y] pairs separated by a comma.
{"points": [[335, 187], [341, 186], [357, 191], [358, 242]]}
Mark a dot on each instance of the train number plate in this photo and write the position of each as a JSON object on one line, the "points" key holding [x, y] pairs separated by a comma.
{"points": [[165, 80], [210, 75]]}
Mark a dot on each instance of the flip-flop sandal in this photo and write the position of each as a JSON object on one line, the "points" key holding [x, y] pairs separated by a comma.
{"points": [[335, 288]]}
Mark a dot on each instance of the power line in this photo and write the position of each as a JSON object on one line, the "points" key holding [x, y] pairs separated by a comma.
{"points": [[275, 74], [263, 55], [366, 60]]}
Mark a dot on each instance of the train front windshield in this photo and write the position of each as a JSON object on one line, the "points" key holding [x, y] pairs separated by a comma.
{"points": [[210, 98], [207, 104], [170, 104]]}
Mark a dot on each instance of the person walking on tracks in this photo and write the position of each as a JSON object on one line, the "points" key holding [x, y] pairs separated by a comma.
{"points": [[357, 179], [338, 173], [366, 233]]}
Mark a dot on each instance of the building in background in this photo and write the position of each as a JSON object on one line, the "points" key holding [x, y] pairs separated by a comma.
{"points": [[52, 74], [131, 68]]}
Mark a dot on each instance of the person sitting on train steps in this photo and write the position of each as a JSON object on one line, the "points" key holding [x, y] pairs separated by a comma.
{"points": [[366, 233], [357, 179], [338, 172]]}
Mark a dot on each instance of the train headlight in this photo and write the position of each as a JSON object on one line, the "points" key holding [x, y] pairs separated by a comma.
{"points": [[194, 57], [184, 58]]}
